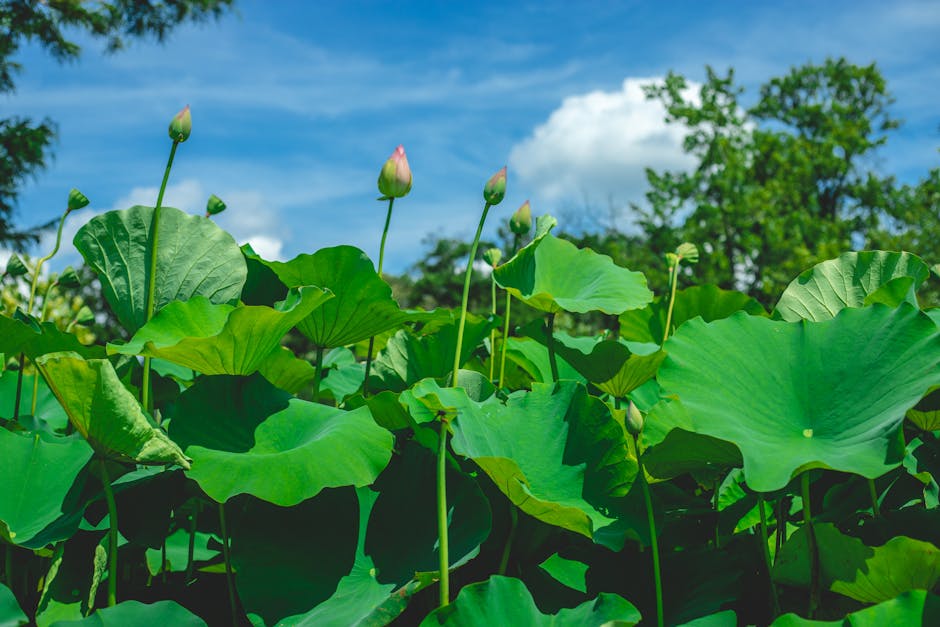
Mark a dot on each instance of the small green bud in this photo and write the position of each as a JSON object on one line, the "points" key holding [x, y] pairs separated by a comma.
{"points": [[492, 256], [15, 266], [395, 177], [214, 206], [181, 125], [495, 188], [68, 278], [84, 316], [521, 221], [77, 200], [634, 421], [687, 252]]}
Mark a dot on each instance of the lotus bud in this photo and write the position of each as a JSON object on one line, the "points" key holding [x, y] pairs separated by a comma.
{"points": [[492, 256], [521, 221], [68, 278], [77, 200], [15, 266], [634, 421], [181, 125], [84, 316], [495, 188], [214, 206], [395, 177]]}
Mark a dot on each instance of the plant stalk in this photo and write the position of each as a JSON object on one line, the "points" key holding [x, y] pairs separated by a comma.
{"points": [[443, 549], [673, 281], [550, 343], [145, 398], [191, 549], [766, 551], [466, 293], [654, 541], [319, 375], [493, 331], [388, 219], [226, 555], [875, 507], [55, 249], [507, 550], [814, 593], [112, 533], [502, 352]]}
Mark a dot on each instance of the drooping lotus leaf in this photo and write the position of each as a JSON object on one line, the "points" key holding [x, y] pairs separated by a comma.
{"points": [[36, 472], [795, 395], [917, 607], [49, 414], [408, 357], [570, 573], [177, 552], [10, 613], [286, 371], [363, 306], [194, 258], [926, 413], [849, 567], [552, 275], [343, 374], [553, 451], [848, 281], [37, 339], [220, 339], [129, 613], [615, 366], [532, 357], [105, 413], [71, 582], [506, 601], [247, 437], [708, 301]]}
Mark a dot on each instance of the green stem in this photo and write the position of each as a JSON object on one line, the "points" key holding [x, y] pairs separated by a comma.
{"points": [[715, 507], [145, 399], [466, 293], [112, 533], [811, 545], [388, 220], [654, 542], [8, 565], [875, 508], [317, 377], [229, 578], [504, 560], [191, 550], [58, 241], [442, 515], [550, 343], [766, 552], [502, 352], [493, 331], [673, 281], [42, 318], [19, 388], [780, 534], [365, 379]]}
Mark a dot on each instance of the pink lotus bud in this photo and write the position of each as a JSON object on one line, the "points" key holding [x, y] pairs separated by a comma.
{"points": [[495, 188], [395, 177], [181, 125], [521, 221]]}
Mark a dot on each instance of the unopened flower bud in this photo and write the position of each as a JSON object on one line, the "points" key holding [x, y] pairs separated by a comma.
{"points": [[214, 206], [634, 420], [521, 221], [492, 256], [495, 188], [395, 177], [84, 316], [15, 266], [77, 200], [181, 125], [68, 278]]}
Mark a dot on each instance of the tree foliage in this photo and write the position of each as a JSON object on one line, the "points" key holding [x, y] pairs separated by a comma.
{"points": [[25, 143]]}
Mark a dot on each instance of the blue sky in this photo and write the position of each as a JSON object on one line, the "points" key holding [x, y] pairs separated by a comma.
{"points": [[296, 105]]}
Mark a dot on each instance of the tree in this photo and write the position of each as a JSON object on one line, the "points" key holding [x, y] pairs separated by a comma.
{"points": [[25, 144], [781, 185]]}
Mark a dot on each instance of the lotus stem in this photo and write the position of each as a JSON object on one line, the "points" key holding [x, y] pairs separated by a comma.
{"points": [[226, 555], [318, 375], [36, 271], [112, 533], [466, 293], [191, 549], [42, 318], [388, 219], [654, 541], [811, 545], [550, 343], [673, 281], [502, 352], [145, 398], [766, 552], [875, 507], [442, 515], [19, 388], [507, 550], [493, 330]]}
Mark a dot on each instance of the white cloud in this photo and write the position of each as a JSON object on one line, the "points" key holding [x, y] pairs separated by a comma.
{"points": [[598, 144]]}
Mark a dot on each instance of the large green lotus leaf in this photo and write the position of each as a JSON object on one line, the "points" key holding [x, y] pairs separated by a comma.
{"points": [[532, 358], [708, 301], [10, 613], [847, 281], [49, 414], [507, 601], [38, 339], [795, 395], [408, 357], [137, 614], [342, 373], [553, 451], [220, 339], [849, 567], [914, 608], [926, 413], [247, 437], [615, 366], [105, 413], [70, 584], [552, 275], [363, 306], [291, 559], [286, 371], [36, 472], [194, 258]]}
